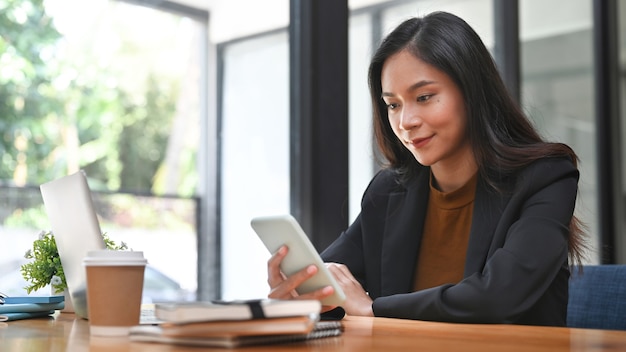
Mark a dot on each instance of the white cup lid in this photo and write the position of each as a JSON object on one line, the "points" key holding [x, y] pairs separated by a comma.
{"points": [[112, 257]]}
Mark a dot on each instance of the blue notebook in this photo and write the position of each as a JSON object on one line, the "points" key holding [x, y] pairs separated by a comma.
{"points": [[33, 299], [26, 307], [23, 315], [30, 307]]}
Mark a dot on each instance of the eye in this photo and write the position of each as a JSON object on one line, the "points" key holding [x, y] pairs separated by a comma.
{"points": [[392, 106], [424, 98]]}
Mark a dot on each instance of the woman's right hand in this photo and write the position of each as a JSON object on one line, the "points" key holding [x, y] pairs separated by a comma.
{"points": [[283, 287]]}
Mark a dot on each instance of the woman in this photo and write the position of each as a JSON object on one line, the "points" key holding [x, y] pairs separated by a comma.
{"points": [[472, 219]]}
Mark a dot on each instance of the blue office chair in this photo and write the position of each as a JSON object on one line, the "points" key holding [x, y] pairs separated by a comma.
{"points": [[597, 298]]}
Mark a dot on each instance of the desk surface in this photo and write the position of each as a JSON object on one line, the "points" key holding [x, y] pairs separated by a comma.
{"points": [[64, 332]]}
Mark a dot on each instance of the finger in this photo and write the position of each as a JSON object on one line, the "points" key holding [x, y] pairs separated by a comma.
{"points": [[279, 293], [274, 275], [318, 294], [337, 270], [340, 272], [328, 308], [288, 285]]}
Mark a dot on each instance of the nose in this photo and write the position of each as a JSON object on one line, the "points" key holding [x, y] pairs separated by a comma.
{"points": [[410, 118]]}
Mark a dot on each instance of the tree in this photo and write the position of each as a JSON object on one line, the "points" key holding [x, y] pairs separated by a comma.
{"points": [[67, 106], [27, 43]]}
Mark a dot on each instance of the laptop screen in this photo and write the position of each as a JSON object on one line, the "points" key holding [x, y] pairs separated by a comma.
{"points": [[76, 231]]}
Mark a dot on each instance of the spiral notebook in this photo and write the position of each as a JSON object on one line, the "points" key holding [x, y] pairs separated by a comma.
{"points": [[321, 329]]}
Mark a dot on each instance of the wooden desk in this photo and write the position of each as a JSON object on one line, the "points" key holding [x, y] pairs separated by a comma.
{"points": [[66, 333]]}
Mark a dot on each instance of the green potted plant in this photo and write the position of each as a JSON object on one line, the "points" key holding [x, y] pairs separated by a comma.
{"points": [[45, 267]]}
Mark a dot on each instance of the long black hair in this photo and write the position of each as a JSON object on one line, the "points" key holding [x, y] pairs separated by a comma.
{"points": [[503, 139]]}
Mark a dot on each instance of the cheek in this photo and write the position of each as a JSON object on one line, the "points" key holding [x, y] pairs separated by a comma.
{"points": [[458, 128], [448, 116], [395, 127], [393, 123]]}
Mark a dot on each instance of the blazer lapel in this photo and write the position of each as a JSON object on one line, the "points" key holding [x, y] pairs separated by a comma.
{"points": [[402, 235], [488, 208]]}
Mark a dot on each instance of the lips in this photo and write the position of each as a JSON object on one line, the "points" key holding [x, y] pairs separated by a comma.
{"points": [[419, 142]]}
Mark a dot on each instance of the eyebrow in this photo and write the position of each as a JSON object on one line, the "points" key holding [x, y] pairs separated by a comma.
{"points": [[411, 88]]}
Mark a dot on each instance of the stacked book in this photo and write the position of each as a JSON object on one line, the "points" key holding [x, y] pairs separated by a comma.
{"points": [[236, 323], [16, 308]]}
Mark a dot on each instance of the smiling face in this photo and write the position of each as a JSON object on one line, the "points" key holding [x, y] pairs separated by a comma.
{"points": [[426, 112]]}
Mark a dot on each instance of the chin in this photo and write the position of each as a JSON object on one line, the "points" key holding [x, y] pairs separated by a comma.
{"points": [[423, 161]]}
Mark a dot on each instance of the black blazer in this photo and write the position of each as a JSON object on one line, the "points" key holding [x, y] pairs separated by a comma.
{"points": [[516, 269]]}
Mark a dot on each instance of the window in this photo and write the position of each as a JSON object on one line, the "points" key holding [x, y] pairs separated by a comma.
{"points": [[114, 89], [558, 87], [254, 155]]}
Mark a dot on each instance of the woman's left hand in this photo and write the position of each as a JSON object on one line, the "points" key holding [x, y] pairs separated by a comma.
{"points": [[357, 302]]}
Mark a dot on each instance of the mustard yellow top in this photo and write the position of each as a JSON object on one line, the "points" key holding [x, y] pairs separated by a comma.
{"points": [[446, 232]]}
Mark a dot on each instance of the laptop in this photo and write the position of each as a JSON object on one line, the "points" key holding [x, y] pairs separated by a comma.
{"points": [[76, 231]]}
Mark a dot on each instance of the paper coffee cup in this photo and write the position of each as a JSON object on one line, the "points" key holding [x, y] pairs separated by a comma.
{"points": [[114, 288]]}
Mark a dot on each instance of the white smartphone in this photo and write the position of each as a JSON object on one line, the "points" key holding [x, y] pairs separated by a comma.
{"points": [[279, 230]]}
